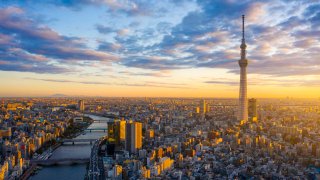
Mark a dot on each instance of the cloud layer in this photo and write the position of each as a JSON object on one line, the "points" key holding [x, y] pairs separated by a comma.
{"points": [[29, 46], [282, 36]]}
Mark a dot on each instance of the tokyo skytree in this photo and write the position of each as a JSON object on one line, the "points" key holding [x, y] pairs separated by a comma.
{"points": [[243, 63]]}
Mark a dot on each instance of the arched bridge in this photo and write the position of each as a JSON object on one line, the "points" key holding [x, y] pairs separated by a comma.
{"points": [[66, 161]]}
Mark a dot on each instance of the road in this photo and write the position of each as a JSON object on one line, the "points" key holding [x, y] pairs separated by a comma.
{"points": [[95, 171]]}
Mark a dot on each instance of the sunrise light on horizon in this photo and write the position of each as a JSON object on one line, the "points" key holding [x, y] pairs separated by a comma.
{"points": [[158, 48]]}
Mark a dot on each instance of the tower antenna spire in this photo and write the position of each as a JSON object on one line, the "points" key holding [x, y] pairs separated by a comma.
{"points": [[243, 28]]}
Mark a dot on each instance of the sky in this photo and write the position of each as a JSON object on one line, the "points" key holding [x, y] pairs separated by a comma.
{"points": [[151, 48]]}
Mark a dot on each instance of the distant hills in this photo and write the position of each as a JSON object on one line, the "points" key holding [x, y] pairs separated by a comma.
{"points": [[58, 95]]}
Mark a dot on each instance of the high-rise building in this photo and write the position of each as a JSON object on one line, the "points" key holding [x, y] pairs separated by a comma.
{"points": [[252, 109], [122, 129], [111, 132], [117, 131], [243, 63], [207, 107], [203, 106], [149, 134], [197, 110], [117, 172], [81, 105], [133, 136]]}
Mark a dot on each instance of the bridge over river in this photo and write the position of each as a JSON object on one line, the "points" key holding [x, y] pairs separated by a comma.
{"points": [[96, 129], [65, 161], [74, 141]]}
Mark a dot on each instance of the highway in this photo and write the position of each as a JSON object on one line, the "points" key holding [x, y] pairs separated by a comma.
{"points": [[94, 172]]}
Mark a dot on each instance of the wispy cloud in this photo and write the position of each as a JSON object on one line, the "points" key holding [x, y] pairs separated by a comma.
{"points": [[268, 82], [144, 84], [154, 74]]}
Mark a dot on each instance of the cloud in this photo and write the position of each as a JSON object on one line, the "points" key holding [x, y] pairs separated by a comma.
{"points": [[210, 38], [128, 8], [109, 47], [39, 68], [104, 29], [156, 62], [145, 84], [153, 74], [256, 12], [25, 44], [267, 82], [123, 32], [230, 83], [282, 36]]}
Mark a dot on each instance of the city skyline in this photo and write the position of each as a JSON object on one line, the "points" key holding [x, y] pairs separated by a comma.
{"points": [[163, 49]]}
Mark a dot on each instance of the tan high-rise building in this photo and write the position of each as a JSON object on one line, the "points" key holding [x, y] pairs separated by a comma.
{"points": [[207, 108], [133, 136], [252, 109], [197, 110], [203, 106], [243, 63], [122, 128], [81, 105]]}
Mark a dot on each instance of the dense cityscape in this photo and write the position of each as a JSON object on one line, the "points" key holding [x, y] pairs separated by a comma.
{"points": [[170, 138], [158, 136]]}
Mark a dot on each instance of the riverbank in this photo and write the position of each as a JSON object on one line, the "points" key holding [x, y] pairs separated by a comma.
{"points": [[79, 150], [74, 130]]}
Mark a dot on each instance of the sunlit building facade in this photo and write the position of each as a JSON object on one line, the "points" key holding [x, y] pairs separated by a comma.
{"points": [[252, 109], [117, 131], [81, 105], [203, 106], [133, 136]]}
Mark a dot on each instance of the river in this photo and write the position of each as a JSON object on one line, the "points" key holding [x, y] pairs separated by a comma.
{"points": [[77, 171]]}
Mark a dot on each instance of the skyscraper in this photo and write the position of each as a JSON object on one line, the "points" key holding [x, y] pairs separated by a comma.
{"points": [[243, 63], [133, 136], [252, 109], [116, 131], [203, 106], [81, 105], [117, 172], [122, 129]]}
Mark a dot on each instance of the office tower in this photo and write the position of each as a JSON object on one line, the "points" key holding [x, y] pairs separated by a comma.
{"points": [[81, 105], [116, 131], [197, 110], [243, 63], [133, 136], [122, 129], [203, 106], [252, 109], [111, 132], [150, 134], [207, 108], [117, 172]]}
